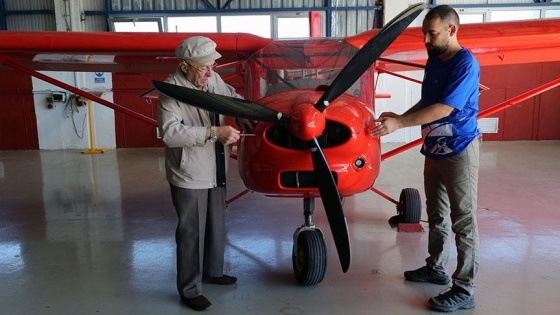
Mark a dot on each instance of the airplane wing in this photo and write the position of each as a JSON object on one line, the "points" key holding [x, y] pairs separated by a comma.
{"points": [[126, 53], [495, 43], [500, 43], [113, 52]]}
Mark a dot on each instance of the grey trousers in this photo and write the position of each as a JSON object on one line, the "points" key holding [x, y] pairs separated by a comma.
{"points": [[451, 202], [200, 236]]}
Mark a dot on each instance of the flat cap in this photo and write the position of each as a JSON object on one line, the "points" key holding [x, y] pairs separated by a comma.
{"points": [[199, 49]]}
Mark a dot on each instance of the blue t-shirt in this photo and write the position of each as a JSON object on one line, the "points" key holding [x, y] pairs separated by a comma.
{"points": [[453, 82]]}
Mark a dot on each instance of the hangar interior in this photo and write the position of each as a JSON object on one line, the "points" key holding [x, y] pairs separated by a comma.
{"points": [[94, 234]]}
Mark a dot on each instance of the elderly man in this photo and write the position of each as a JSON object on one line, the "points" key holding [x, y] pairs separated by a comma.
{"points": [[196, 146]]}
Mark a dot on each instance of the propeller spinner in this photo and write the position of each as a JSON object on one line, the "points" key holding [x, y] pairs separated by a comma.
{"points": [[301, 116]]}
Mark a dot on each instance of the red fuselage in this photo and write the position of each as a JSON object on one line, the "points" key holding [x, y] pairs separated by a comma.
{"points": [[277, 163]]}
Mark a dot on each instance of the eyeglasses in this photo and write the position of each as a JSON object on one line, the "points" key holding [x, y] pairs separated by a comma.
{"points": [[203, 69]]}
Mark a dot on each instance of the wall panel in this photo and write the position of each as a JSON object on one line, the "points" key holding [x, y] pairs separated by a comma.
{"points": [[18, 122], [534, 119], [549, 111], [131, 132]]}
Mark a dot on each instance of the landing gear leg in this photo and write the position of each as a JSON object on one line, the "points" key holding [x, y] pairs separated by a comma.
{"points": [[309, 255]]}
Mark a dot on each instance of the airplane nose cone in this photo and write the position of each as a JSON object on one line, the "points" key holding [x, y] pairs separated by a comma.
{"points": [[306, 122]]}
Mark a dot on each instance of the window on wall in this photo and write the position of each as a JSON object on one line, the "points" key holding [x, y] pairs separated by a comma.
{"points": [[471, 18], [284, 25], [136, 24], [204, 24], [293, 27], [552, 13], [481, 15], [515, 15], [252, 24]]}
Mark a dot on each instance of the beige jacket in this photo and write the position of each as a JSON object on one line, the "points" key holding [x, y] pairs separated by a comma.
{"points": [[190, 160]]}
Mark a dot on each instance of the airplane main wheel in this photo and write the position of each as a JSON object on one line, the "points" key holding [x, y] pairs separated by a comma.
{"points": [[309, 257], [411, 207]]}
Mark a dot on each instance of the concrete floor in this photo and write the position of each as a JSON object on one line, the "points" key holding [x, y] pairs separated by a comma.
{"points": [[94, 234]]}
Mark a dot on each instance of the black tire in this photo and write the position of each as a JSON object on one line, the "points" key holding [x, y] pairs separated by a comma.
{"points": [[309, 258], [411, 206]]}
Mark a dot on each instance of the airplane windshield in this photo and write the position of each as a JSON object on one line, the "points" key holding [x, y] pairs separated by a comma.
{"points": [[298, 64]]}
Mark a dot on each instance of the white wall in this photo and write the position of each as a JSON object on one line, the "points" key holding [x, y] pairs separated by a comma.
{"points": [[66, 126], [404, 94]]}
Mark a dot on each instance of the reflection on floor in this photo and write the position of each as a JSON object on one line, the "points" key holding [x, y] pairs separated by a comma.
{"points": [[94, 234]]}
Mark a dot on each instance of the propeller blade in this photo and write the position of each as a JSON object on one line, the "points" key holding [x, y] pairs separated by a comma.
{"points": [[224, 105], [368, 54], [332, 204]]}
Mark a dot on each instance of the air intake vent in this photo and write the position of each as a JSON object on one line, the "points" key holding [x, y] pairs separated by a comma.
{"points": [[301, 179], [334, 135]]}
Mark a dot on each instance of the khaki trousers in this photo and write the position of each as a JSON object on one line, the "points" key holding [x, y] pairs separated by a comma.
{"points": [[451, 201]]}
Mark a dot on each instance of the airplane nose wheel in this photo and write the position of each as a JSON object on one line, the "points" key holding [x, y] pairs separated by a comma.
{"points": [[410, 207], [309, 255]]}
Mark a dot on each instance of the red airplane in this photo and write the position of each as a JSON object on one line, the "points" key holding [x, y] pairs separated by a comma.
{"points": [[313, 100]]}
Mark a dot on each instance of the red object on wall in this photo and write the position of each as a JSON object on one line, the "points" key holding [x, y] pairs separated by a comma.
{"points": [[315, 24], [130, 132], [533, 119], [18, 122]]}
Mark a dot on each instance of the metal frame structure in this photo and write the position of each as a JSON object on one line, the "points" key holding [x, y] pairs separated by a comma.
{"points": [[210, 8], [4, 13], [225, 7], [329, 8]]}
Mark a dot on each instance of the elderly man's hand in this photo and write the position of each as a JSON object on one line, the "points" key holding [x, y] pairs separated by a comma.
{"points": [[227, 134]]}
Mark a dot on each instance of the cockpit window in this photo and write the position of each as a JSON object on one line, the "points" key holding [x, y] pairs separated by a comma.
{"points": [[297, 64]]}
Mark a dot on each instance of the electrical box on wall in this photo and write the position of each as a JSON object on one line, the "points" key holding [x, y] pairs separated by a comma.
{"points": [[59, 97], [488, 125], [56, 98]]}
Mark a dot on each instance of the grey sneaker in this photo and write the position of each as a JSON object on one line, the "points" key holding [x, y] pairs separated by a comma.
{"points": [[453, 299], [426, 274]]}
